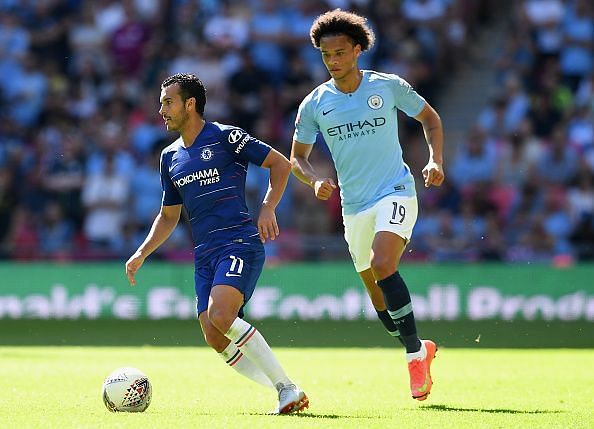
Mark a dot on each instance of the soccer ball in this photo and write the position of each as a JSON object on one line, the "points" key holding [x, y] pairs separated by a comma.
{"points": [[127, 389]]}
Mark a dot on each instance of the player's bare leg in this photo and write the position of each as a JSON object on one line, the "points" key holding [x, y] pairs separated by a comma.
{"points": [[223, 308]]}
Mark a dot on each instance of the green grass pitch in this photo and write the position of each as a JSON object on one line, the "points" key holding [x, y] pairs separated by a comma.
{"points": [[60, 387]]}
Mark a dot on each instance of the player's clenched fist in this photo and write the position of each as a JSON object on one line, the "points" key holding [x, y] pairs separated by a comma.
{"points": [[433, 174], [323, 188]]}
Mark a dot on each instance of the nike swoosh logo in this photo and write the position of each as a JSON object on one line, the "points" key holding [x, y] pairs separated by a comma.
{"points": [[423, 388], [395, 223], [324, 113], [171, 168], [232, 275]]}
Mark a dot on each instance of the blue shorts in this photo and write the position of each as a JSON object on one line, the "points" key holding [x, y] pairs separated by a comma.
{"points": [[237, 265]]}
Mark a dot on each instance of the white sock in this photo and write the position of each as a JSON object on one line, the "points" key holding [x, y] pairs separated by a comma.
{"points": [[240, 363], [253, 345], [420, 355]]}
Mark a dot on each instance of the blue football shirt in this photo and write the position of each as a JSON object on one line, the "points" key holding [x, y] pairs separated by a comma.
{"points": [[361, 131], [208, 178]]}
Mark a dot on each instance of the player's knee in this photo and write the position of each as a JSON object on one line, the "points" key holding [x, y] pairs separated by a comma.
{"points": [[214, 338], [221, 318], [382, 266]]}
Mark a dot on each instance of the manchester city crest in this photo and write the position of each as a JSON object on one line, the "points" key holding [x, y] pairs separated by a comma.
{"points": [[375, 102]]}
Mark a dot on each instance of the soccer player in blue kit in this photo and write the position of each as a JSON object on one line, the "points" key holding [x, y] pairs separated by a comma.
{"points": [[356, 112], [204, 170]]}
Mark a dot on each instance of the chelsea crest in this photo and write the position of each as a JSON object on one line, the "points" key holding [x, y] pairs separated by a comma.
{"points": [[206, 154]]}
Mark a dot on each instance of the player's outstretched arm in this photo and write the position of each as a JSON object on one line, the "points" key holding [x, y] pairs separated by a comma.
{"points": [[280, 168], [163, 226], [433, 172], [304, 171]]}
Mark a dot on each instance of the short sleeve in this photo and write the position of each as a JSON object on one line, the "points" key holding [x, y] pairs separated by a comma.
{"points": [[406, 98], [245, 147], [306, 127], [171, 196]]}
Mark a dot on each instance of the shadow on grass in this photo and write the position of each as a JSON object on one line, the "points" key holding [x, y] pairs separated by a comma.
{"points": [[299, 415], [439, 407], [317, 416]]}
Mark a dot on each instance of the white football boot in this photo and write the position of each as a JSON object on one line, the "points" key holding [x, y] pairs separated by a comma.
{"points": [[291, 399]]}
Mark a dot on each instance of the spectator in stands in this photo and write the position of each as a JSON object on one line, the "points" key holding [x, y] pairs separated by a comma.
{"points": [[269, 35], [581, 195], [559, 161], [576, 59], [87, 42], [145, 189], [105, 197], [476, 160], [128, 42], [55, 233], [534, 245], [248, 91], [228, 29], [64, 178]]}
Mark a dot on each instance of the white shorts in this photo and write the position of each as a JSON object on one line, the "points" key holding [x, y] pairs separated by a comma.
{"points": [[393, 213]]}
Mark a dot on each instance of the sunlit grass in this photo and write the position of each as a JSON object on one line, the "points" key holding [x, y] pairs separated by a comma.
{"points": [[60, 387]]}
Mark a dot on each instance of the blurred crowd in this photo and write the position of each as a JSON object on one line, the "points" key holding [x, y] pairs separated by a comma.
{"points": [[80, 133], [521, 185]]}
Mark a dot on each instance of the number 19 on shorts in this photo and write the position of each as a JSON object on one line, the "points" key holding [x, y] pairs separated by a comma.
{"points": [[398, 214]]}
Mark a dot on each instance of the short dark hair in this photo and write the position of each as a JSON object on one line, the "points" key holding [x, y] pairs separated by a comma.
{"points": [[336, 22], [189, 86]]}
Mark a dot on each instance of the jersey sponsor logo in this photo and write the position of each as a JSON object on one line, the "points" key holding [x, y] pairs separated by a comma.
{"points": [[325, 112], [242, 143], [203, 177], [356, 129], [234, 136], [375, 102], [206, 154]]}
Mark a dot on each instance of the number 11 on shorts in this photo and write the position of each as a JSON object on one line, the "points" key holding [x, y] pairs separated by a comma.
{"points": [[236, 267]]}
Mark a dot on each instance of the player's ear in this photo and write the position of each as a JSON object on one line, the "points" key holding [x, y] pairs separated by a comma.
{"points": [[191, 103]]}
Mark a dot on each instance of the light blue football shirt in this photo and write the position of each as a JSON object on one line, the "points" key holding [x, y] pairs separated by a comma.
{"points": [[361, 131]]}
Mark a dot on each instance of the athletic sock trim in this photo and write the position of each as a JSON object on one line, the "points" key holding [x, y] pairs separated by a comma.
{"points": [[401, 312], [250, 329], [228, 361], [236, 360], [250, 333]]}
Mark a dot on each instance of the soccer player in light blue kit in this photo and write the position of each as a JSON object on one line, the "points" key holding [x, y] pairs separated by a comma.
{"points": [[356, 113], [204, 170]]}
